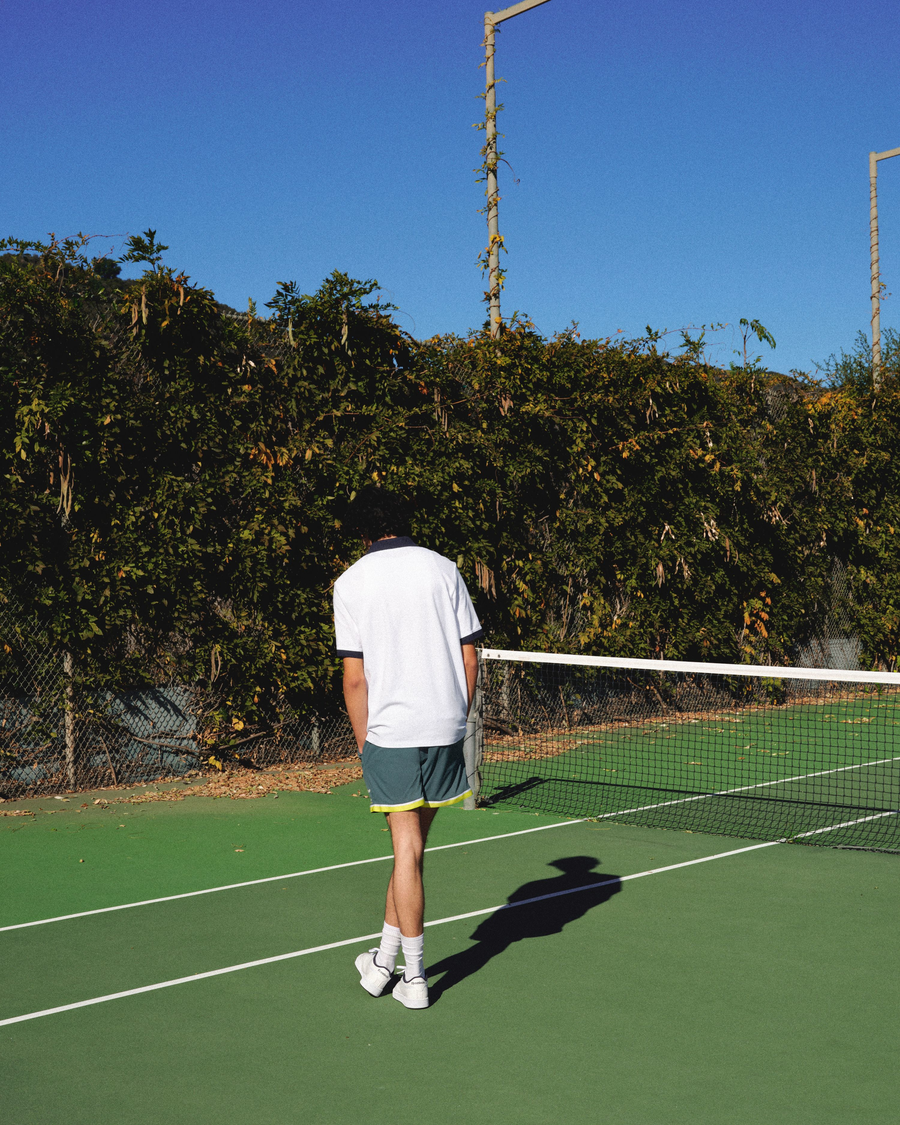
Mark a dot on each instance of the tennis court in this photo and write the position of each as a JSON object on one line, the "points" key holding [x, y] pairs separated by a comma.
{"points": [[660, 977]]}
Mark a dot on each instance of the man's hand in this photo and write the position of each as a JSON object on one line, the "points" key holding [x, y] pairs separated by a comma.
{"points": [[356, 696], [470, 660]]}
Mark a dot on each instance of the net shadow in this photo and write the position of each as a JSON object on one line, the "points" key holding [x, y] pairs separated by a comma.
{"points": [[772, 813]]}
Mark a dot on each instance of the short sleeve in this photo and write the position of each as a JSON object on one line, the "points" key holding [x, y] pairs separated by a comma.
{"points": [[346, 632], [470, 629]]}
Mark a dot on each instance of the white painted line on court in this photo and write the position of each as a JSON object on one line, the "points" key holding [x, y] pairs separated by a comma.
{"points": [[846, 824], [185, 980], [369, 937], [278, 878], [483, 840], [607, 882], [750, 788]]}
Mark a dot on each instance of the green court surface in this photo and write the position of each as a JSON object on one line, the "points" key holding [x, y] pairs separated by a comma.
{"points": [[704, 980], [785, 771]]}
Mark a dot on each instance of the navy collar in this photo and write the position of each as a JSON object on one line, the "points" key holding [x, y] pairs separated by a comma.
{"points": [[387, 544]]}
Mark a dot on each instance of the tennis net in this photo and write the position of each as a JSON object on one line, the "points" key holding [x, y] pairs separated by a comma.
{"points": [[811, 755]]}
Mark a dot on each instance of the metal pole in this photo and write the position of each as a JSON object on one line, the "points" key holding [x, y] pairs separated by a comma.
{"points": [[490, 161], [876, 278], [491, 19], [874, 157]]}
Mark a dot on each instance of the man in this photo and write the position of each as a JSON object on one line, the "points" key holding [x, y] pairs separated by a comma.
{"points": [[406, 630]]}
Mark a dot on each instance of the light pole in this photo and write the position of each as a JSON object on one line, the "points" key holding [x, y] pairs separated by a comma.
{"points": [[491, 19], [874, 157]]}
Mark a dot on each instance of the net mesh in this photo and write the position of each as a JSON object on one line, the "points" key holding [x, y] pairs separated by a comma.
{"points": [[763, 753]]}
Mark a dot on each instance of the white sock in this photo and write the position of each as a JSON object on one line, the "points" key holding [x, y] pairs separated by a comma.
{"points": [[389, 948], [414, 956]]}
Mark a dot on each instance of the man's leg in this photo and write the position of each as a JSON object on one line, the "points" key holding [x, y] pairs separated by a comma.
{"points": [[404, 909], [405, 903]]}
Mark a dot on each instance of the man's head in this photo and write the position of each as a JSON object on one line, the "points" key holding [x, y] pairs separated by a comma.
{"points": [[375, 513]]}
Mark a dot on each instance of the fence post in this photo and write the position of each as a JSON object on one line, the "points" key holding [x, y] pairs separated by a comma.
{"points": [[316, 744], [69, 714]]}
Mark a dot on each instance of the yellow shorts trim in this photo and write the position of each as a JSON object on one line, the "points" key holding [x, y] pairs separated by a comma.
{"points": [[421, 804], [452, 801]]}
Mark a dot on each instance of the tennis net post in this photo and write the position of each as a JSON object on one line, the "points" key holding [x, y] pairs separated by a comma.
{"points": [[474, 743]]}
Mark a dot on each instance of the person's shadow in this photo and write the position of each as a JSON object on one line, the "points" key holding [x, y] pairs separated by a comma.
{"points": [[534, 910]]}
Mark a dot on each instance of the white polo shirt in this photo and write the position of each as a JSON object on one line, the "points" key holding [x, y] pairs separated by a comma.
{"points": [[405, 611]]}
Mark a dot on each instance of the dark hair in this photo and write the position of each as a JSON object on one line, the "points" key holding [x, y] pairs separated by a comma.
{"points": [[375, 513]]}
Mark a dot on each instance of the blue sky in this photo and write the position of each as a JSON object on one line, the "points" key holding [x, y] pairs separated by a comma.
{"points": [[676, 163]]}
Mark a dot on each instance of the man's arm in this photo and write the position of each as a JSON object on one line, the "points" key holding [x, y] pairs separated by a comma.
{"points": [[356, 697], [470, 660]]}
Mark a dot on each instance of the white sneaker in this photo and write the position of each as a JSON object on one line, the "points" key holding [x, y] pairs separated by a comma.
{"points": [[411, 993], [372, 976]]}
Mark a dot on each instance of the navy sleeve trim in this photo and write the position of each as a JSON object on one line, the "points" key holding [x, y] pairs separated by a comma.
{"points": [[345, 652], [472, 638]]}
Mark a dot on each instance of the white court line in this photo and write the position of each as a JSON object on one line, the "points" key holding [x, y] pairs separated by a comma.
{"points": [[278, 878], [846, 824], [368, 937], [747, 788], [436, 922], [462, 844]]}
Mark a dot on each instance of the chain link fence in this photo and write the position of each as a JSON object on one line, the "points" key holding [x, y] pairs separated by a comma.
{"points": [[59, 734]]}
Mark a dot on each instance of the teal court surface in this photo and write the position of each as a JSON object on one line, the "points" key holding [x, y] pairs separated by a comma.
{"points": [[660, 977]]}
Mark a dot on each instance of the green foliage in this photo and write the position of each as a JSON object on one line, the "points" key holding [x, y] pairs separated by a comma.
{"points": [[864, 434], [171, 473], [748, 329], [174, 476], [106, 268], [145, 248], [609, 499], [852, 371]]}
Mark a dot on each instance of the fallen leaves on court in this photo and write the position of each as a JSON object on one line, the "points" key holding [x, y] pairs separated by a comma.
{"points": [[247, 784], [237, 784]]}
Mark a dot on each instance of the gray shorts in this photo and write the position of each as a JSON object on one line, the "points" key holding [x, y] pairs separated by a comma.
{"points": [[401, 778]]}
